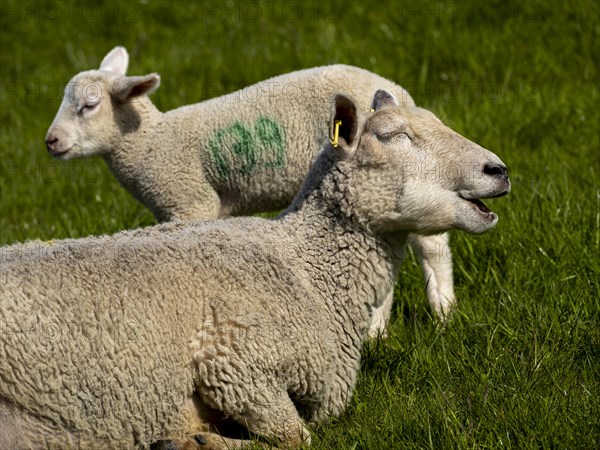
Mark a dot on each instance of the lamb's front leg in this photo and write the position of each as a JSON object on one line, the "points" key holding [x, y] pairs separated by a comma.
{"points": [[436, 263]]}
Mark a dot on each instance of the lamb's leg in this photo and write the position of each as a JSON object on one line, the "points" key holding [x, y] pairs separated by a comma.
{"points": [[381, 316], [436, 263]]}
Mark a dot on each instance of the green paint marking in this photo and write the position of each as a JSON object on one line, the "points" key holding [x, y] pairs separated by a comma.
{"points": [[237, 150], [242, 148], [270, 135], [214, 146]]}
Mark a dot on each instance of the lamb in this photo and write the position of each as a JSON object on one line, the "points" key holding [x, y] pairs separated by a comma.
{"points": [[242, 153], [258, 320]]}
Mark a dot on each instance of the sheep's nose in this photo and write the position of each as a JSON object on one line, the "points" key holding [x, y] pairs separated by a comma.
{"points": [[495, 170], [51, 142]]}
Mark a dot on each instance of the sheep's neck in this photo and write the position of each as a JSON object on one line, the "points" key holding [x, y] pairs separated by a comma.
{"points": [[353, 267], [350, 261], [352, 270]]}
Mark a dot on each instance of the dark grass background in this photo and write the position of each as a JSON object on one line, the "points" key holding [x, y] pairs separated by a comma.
{"points": [[519, 365]]}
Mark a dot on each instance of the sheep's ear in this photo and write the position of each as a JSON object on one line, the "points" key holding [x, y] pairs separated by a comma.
{"points": [[131, 87], [344, 118], [116, 61], [383, 99]]}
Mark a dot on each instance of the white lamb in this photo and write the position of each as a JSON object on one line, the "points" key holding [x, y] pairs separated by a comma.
{"points": [[242, 153], [159, 331]]}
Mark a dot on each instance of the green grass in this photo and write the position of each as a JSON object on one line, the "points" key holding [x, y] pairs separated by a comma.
{"points": [[519, 365]]}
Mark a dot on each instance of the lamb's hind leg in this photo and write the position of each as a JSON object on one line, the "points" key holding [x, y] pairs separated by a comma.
{"points": [[436, 263], [381, 316]]}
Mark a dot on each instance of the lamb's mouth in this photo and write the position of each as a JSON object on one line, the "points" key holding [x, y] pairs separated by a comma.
{"points": [[61, 153]]}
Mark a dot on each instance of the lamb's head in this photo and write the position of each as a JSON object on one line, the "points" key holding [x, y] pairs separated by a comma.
{"points": [[410, 172], [98, 108]]}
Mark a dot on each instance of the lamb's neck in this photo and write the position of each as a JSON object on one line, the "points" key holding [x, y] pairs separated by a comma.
{"points": [[137, 121]]}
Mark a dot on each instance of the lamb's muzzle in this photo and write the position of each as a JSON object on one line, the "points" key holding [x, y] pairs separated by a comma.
{"points": [[51, 144]]}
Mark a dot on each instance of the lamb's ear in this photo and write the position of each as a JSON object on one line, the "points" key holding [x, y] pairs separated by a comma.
{"points": [[383, 99], [127, 88], [116, 61], [344, 109]]}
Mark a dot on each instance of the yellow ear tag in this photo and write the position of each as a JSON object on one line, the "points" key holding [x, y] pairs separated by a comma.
{"points": [[372, 110], [336, 135]]}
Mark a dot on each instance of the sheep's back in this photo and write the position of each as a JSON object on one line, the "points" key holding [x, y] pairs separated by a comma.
{"points": [[101, 335]]}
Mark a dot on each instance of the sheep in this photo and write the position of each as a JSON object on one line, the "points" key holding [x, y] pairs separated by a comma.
{"points": [[156, 334], [242, 153]]}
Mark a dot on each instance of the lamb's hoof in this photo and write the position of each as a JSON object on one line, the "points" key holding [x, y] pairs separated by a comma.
{"points": [[200, 440]]}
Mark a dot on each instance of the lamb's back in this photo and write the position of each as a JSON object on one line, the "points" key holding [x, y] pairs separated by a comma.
{"points": [[257, 144]]}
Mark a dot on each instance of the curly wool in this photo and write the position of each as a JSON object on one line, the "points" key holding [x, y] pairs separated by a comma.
{"points": [[263, 319], [250, 301]]}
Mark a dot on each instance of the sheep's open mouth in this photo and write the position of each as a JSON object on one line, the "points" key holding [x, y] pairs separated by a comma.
{"points": [[479, 205]]}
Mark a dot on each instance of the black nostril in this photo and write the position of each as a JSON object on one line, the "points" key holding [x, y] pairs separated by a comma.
{"points": [[497, 170]]}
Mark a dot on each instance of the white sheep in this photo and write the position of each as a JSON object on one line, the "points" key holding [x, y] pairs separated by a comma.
{"points": [[242, 153], [155, 334]]}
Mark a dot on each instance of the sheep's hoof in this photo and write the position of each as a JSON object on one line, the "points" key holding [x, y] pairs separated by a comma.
{"points": [[164, 445], [172, 445]]}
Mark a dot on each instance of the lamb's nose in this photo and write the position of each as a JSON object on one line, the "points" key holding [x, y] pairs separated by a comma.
{"points": [[51, 142], [495, 170]]}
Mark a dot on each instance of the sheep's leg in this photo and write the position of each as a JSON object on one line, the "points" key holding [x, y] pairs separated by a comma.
{"points": [[278, 421], [436, 263], [203, 441]]}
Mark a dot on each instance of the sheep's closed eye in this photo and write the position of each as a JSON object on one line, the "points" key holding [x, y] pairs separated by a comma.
{"points": [[394, 135]]}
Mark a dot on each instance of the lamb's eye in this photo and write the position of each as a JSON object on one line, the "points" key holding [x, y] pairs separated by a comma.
{"points": [[86, 107], [394, 135]]}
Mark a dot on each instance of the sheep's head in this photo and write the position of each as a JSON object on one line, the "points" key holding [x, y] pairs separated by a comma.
{"points": [[98, 107], [411, 172]]}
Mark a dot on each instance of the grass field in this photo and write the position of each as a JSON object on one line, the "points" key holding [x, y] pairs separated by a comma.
{"points": [[519, 365]]}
